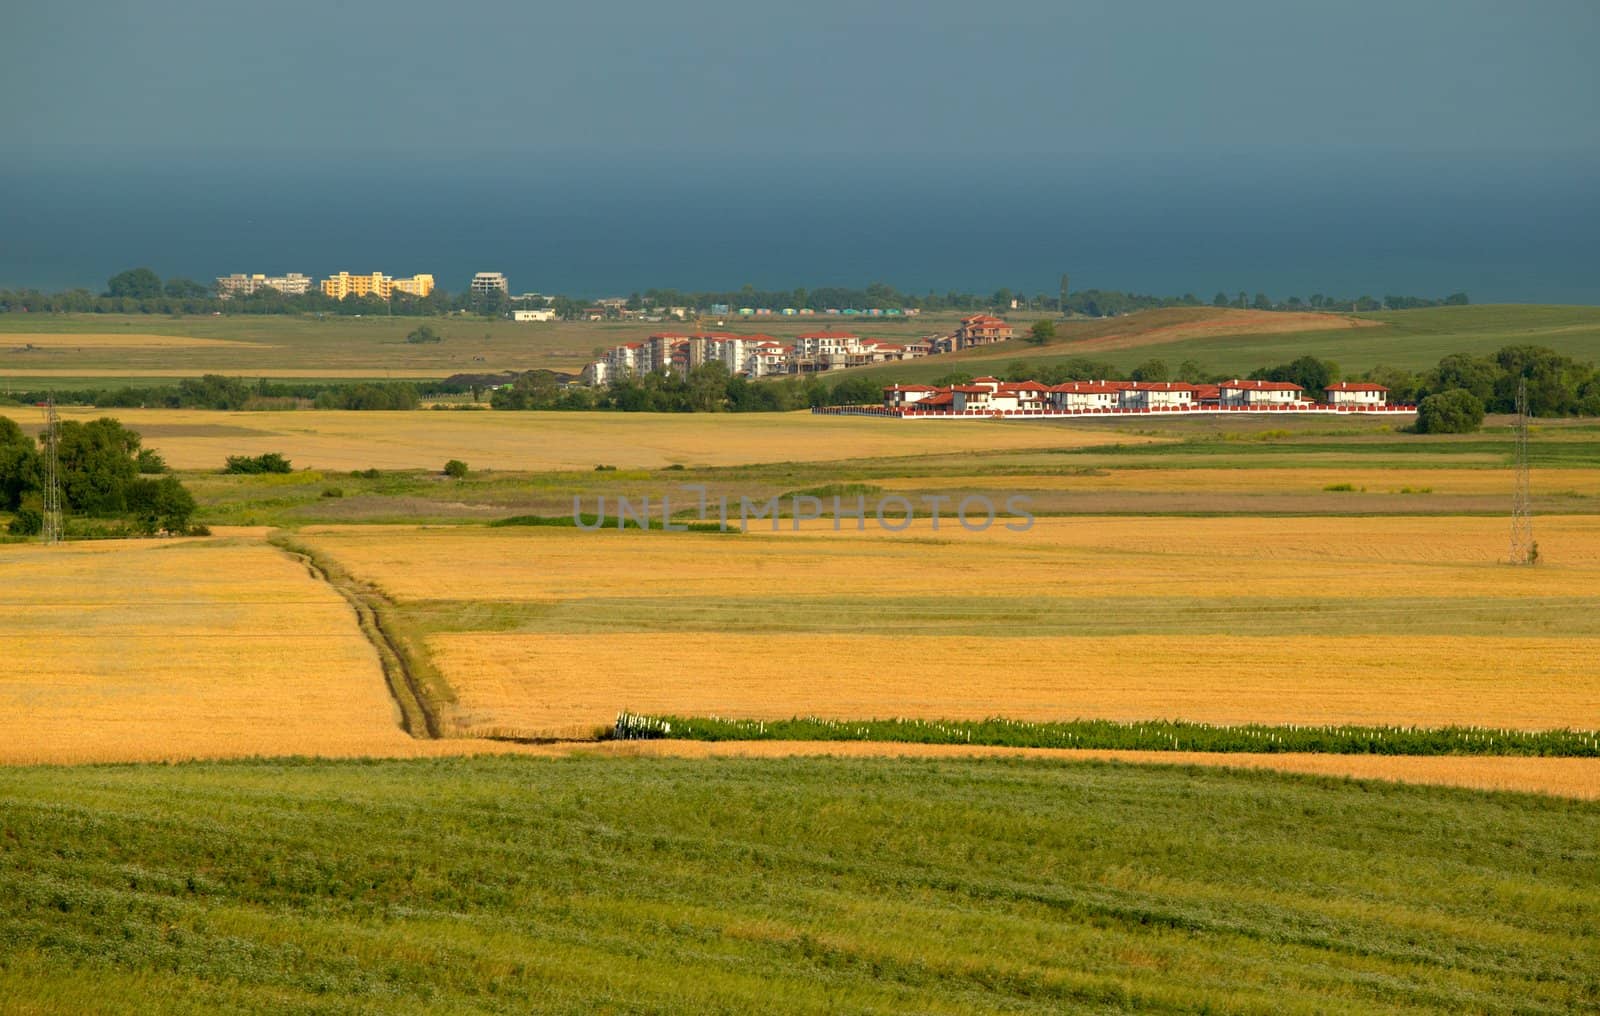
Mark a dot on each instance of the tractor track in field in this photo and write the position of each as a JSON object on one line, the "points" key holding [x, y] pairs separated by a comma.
{"points": [[418, 714]]}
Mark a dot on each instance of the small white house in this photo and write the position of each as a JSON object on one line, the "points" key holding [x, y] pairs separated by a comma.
{"points": [[1158, 395], [1079, 395], [1357, 393], [1260, 393], [538, 314]]}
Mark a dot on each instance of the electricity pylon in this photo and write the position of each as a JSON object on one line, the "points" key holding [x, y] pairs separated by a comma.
{"points": [[1522, 546]]}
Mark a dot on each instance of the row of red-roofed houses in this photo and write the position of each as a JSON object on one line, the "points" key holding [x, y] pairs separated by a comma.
{"points": [[989, 397]]}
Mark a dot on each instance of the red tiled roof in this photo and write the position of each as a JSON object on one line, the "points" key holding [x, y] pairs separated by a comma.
{"points": [[1024, 386], [1355, 386], [830, 335], [942, 399], [909, 388], [1207, 392], [1087, 388], [971, 389], [1161, 386], [1261, 386]]}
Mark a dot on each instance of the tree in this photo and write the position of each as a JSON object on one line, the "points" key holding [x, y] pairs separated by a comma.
{"points": [[185, 289], [1308, 372], [1262, 302], [1151, 370], [1220, 300], [158, 505], [1190, 370], [1457, 411], [455, 469], [19, 465], [149, 461], [1042, 332], [97, 465], [423, 334], [134, 284], [1461, 370]]}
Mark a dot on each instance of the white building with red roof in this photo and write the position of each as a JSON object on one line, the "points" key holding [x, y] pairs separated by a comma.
{"points": [[1157, 395], [1259, 393], [1076, 396], [981, 330], [1357, 393]]}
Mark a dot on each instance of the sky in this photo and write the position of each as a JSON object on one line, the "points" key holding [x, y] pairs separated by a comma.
{"points": [[1169, 145]]}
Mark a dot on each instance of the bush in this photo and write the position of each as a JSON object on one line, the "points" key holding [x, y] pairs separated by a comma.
{"points": [[150, 461], [29, 521], [365, 474], [333, 492], [1457, 411], [455, 469], [271, 462], [422, 334], [158, 505]]}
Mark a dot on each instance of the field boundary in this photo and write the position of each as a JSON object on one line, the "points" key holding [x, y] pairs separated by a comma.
{"points": [[1135, 735], [409, 676]]}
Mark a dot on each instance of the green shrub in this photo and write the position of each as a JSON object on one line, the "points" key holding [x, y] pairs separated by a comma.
{"points": [[333, 492], [1457, 411], [271, 462], [455, 469], [29, 521], [150, 461]]}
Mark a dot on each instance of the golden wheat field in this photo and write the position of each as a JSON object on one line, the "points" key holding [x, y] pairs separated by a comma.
{"points": [[1410, 479], [425, 439], [1068, 558], [540, 684], [152, 649]]}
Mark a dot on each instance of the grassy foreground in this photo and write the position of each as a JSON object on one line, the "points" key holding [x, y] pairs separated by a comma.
{"points": [[802, 885]]}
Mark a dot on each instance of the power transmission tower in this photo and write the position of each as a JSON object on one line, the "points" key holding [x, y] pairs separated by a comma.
{"points": [[1523, 549], [52, 473]]}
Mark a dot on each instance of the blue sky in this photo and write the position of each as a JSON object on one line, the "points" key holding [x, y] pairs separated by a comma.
{"points": [[324, 81]]}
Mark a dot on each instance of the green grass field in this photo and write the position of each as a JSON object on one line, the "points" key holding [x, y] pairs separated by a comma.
{"points": [[1412, 339], [663, 886]]}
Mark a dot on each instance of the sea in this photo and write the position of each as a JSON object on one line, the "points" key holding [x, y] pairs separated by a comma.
{"points": [[1502, 229]]}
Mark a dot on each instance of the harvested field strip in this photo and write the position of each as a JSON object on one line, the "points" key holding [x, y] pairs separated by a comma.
{"points": [[570, 685], [425, 439], [1487, 480], [15, 342], [1145, 735], [1081, 558], [905, 615]]}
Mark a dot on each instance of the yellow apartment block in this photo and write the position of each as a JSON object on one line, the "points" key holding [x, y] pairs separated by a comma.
{"points": [[377, 284]]}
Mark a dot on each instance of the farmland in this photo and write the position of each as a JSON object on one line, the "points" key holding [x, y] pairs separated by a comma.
{"points": [[1229, 572], [76, 351], [1315, 620], [800, 885]]}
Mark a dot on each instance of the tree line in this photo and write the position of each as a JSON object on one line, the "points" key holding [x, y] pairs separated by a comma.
{"points": [[142, 291], [104, 474], [215, 391]]}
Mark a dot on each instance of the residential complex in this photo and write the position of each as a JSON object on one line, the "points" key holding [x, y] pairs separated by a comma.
{"points": [[749, 355], [377, 284], [239, 284], [989, 396]]}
